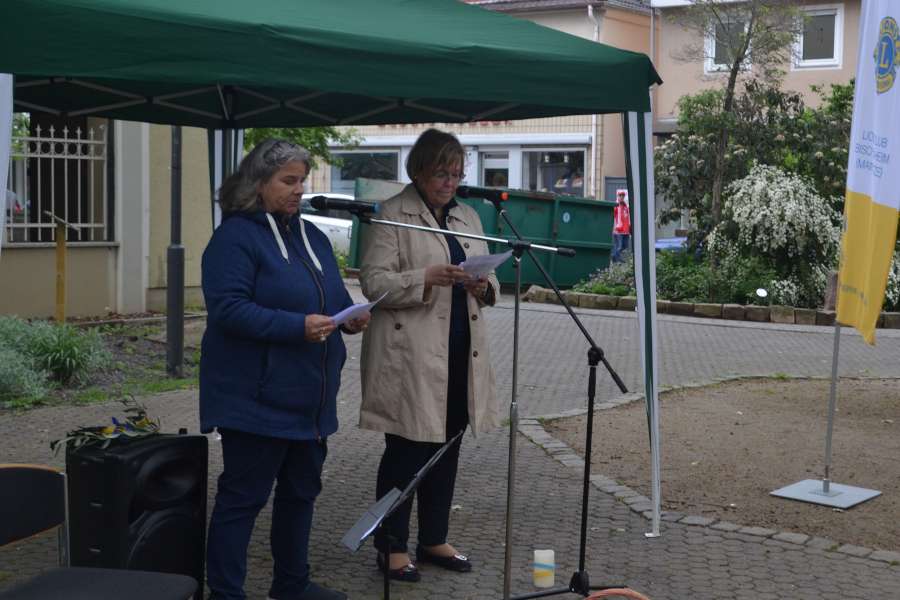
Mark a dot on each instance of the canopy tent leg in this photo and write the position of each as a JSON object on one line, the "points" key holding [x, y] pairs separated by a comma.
{"points": [[639, 161], [6, 121], [175, 271]]}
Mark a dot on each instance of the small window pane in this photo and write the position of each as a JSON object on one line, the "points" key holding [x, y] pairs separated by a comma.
{"points": [[728, 39], [369, 165], [818, 38], [559, 172]]}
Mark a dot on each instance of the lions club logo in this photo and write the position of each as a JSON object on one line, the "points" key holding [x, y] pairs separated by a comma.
{"points": [[887, 55]]}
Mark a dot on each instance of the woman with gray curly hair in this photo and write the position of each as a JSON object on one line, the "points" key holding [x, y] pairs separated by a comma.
{"points": [[270, 368]]}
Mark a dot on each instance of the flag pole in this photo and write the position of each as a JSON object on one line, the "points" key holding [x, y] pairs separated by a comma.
{"points": [[826, 482]]}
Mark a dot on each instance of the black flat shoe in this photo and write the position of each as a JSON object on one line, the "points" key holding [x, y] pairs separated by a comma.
{"points": [[408, 573], [317, 592], [457, 562]]}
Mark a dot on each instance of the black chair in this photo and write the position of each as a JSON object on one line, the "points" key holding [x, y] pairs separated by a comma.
{"points": [[33, 501]]}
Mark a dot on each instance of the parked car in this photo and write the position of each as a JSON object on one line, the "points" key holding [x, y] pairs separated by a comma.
{"points": [[675, 244], [336, 224]]}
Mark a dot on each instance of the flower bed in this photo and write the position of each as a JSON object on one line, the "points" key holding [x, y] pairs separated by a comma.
{"points": [[732, 312]]}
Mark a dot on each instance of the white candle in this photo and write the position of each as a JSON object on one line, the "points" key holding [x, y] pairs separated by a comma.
{"points": [[544, 567]]}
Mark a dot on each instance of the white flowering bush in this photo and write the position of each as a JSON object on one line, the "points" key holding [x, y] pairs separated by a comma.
{"points": [[776, 211], [892, 293], [779, 218]]}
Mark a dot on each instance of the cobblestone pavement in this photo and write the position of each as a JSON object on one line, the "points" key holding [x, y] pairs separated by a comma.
{"points": [[687, 561]]}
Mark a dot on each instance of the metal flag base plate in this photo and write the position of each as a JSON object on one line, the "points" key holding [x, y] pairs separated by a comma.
{"points": [[838, 496]]}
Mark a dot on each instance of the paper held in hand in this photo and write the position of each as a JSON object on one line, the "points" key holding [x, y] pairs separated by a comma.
{"points": [[483, 264], [355, 311]]}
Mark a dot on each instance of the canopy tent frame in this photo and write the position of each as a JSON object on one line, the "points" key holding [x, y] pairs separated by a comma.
{"points": [[234, 121], [201, 64]]}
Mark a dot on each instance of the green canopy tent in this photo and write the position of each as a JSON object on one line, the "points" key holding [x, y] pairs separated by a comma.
{"points": [[233, 64]]}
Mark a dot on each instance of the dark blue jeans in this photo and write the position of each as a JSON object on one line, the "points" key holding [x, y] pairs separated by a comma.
{"points": [[252, 463], [621, 241]]}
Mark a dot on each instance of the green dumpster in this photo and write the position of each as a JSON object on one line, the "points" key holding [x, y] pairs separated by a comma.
{"points": [[548, 219]]}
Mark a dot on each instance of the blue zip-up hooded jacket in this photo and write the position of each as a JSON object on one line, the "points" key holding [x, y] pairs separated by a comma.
{"points": [[257, 372]]}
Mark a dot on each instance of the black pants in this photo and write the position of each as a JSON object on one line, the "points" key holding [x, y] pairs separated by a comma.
{"points": [[403, 458]]}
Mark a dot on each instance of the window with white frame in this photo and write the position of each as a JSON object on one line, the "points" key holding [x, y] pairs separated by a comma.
{"points": [[58, 166], [382, 165], [722, 46], [555, 170], [821, 44]]}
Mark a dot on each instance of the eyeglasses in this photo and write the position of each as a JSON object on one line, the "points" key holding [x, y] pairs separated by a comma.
{"points": [[442, 177], [285, 145], [276, 154]]}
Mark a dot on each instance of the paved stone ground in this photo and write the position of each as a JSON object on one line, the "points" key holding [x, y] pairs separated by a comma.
{"points": [[687, 561]]}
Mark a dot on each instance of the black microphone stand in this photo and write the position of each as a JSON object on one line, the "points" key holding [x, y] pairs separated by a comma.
{"points": [[580, 583]]}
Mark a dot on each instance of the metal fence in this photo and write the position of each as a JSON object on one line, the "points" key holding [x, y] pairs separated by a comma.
{"points": [[64, 173]]}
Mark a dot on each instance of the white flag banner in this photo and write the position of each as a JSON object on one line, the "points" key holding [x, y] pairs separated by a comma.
{"points": [[6, 121], [873, 181]]}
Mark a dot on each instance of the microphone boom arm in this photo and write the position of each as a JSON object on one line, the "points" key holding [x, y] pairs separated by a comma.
{"points": [[518, 246]]}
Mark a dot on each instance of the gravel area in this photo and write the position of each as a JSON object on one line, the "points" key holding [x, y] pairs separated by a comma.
{"points": [[723, 448]]}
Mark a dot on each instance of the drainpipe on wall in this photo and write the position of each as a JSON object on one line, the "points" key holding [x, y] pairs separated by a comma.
{"points": [[594, 116]]}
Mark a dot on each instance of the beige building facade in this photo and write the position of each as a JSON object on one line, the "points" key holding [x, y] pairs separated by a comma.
{"points": [[112, 179], [825, 58], [581, 155]]}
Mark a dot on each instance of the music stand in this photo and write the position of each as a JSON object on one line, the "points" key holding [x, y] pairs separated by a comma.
{"points": [[374, 517]]}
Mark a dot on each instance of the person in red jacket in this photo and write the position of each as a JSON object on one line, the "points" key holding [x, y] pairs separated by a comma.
{"points": [[621, 226]]}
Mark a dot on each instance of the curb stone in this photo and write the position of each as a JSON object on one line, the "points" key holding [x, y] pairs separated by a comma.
{"points": [[857, 551], [760, 531], [791, 538], [886, 556], [729, 312], [529, 427]]}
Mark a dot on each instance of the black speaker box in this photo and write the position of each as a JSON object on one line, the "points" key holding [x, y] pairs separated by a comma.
{"points": [[140, 505]]}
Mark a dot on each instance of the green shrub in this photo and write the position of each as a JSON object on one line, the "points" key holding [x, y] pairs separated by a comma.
{"points": [[681, 278], [21, 385], [617, 280], [342, 260], [33, 352], [15, 333], [66, 351]]}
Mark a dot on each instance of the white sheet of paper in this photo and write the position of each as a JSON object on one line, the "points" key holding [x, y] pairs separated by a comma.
{"points": [[355, 311], [483, 264]]}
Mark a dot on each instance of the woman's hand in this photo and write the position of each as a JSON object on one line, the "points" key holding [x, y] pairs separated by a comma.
{"points": [[443, 275], [477, 287], [358, 324], [317, 328]]}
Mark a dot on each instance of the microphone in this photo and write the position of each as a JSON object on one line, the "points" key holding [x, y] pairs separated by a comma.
{"points": [[495, 196], [323, 203]]}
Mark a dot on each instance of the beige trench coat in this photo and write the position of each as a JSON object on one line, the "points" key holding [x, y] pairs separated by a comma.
{"points": [[405, 348]]}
